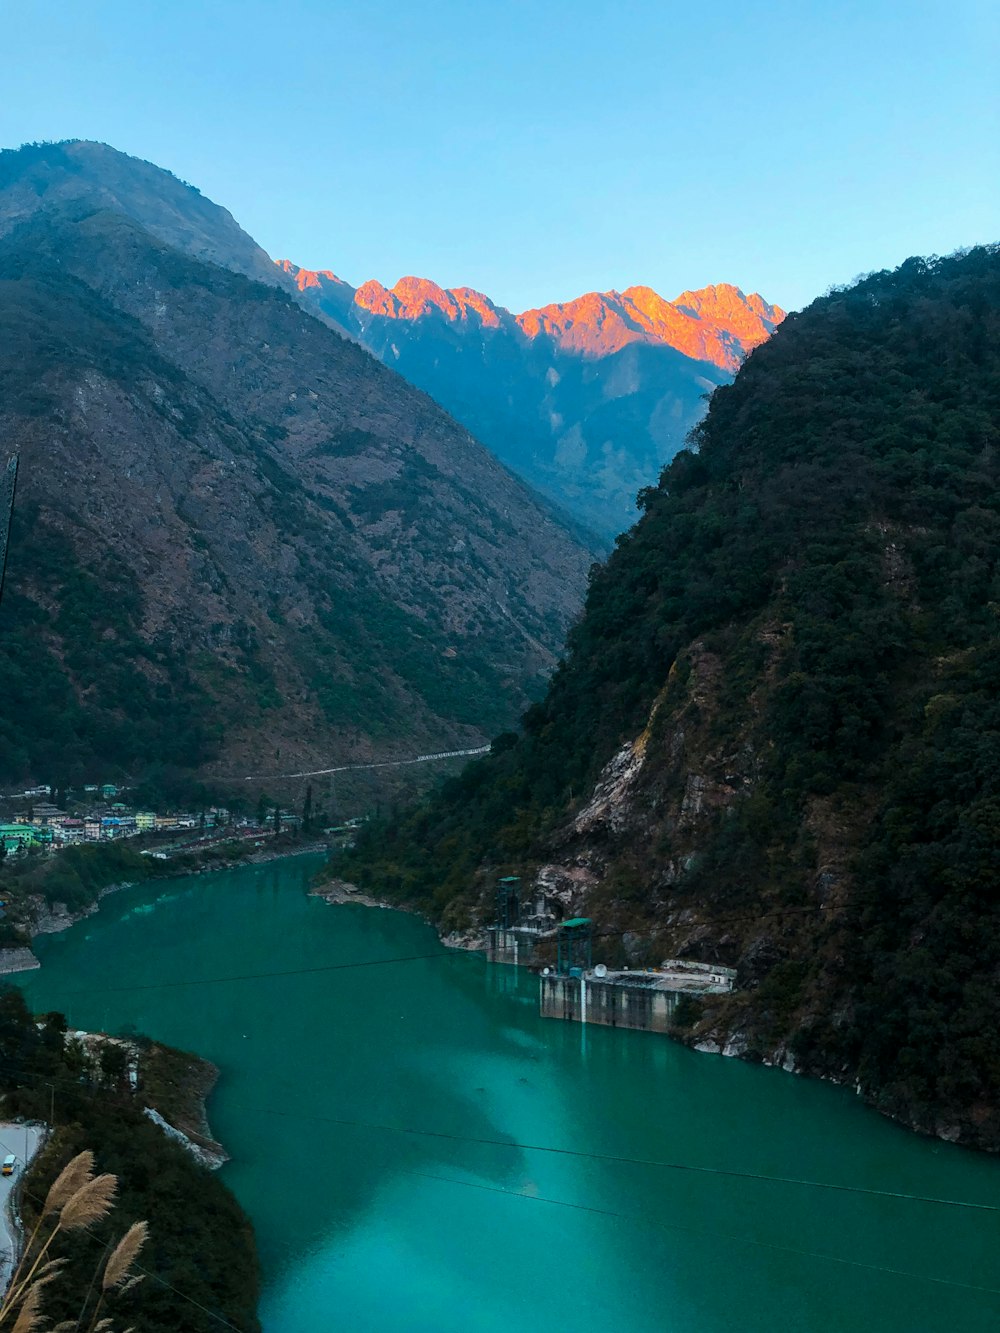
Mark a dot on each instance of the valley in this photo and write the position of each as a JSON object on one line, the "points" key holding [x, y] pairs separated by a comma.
{"points": [[239, 542], [427, 1081], [588, 400], [770, 745], [432, 735]]}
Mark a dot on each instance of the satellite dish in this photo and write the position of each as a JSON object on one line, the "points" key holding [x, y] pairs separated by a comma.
{"points": [[545, 971], [600, 971]]}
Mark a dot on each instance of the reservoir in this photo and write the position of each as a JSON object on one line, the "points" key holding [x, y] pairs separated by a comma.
{"points": [[384, 1121]]}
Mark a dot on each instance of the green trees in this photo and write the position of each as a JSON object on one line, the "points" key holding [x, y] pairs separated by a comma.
{"points": [[832, 542], [200, 1253]]}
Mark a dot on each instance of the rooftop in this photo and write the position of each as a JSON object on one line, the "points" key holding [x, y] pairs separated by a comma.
{"points": [[707, 982]]}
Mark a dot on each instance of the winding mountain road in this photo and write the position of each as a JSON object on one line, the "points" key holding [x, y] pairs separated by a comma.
{"points": [[23, 1141], [384, 763]]}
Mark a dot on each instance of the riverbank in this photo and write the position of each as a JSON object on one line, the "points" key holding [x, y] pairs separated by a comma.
{"points": [[171, 1087], [34, 913], [324, 1060], [339, 892], [713, 1025], [176, 1086]]}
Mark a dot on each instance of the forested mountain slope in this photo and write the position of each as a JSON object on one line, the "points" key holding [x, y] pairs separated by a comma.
{"points": [[775, 741], [586, 399], [241, 544]]}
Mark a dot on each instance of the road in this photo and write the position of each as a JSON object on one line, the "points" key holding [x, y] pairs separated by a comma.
{"points": [[384, 763], [22, 1141]]}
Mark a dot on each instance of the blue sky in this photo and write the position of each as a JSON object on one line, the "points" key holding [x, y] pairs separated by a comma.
{"points": [[537, 149]]}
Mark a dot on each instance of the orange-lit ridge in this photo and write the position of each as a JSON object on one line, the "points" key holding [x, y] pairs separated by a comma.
{"points": [[719, 324]]}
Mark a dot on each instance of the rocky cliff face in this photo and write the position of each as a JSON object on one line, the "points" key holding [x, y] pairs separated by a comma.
{"points": [[718, 325], [241, 543], [587, 400], [773, 744]]}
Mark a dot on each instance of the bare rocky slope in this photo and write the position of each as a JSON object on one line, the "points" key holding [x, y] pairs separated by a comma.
{"points": [[587, 399], [774, 743], [241, 544]]}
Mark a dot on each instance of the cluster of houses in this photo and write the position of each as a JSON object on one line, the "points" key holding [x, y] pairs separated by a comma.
{"points": [[42, 824]]}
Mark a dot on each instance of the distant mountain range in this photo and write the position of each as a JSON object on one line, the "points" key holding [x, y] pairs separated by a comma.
{"points": [[587, 400], [241, 544]]}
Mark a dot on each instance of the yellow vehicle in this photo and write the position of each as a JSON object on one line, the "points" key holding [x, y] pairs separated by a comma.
{"points": [[9, 1164]]}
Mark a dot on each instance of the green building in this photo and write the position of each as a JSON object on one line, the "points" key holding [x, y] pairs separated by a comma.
{"points": [[16, 836]]}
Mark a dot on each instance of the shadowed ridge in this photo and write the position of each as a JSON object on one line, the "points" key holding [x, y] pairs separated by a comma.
{"points": [[40, 177]]}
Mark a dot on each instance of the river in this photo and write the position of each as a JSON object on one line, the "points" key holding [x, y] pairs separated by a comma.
{"points": [[456, 1228]]}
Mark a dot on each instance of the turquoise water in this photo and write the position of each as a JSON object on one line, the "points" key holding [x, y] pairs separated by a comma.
{"points": [[363, 1228]]}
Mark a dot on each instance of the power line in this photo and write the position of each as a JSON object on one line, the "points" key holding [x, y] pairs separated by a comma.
{"points": [[698, 1231], [263, 976], [443, 953], [8, 488], [656, 1224], [617, 1159], [728, 1172]]}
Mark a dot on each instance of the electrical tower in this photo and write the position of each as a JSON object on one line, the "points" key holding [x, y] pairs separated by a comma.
{"points": [[8, 484]]}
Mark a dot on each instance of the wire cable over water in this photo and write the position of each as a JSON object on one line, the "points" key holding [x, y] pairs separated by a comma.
{"points": [[613, 1158]]}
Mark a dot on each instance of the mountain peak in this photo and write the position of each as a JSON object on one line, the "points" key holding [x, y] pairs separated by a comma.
{"points": [[718, 324], [305, 277], [555, 391], [82, 173], [751, 319], [417, 298]]}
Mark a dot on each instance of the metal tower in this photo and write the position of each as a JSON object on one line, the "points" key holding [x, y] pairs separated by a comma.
{"points": [[573, 945], [508, 901]]}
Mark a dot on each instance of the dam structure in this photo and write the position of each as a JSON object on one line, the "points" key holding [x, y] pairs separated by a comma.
{"points": [[526, 927], [521, 925], [643, 1000]]}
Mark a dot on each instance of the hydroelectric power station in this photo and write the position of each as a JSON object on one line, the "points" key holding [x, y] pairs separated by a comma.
{"points": [[574, 988]]}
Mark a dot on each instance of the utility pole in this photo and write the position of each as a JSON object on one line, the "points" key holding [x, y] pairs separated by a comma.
{"points": [[7, 487]]}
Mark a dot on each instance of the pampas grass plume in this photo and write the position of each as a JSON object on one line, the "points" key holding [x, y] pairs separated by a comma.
{"points": [[30, 1316], [74, 1175], [124, 1255], [90, 1203]]}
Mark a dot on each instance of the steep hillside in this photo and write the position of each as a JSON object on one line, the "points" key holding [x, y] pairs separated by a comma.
{"points": [[242, 544], [776, 740], [587, 400], [48, 176]]}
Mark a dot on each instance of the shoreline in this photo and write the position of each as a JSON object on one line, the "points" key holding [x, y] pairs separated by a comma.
{"points": [[52, 919], [729, 1044], [341, 893]]}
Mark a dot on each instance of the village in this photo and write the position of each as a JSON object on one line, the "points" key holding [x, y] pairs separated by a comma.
{"points": [[41, 819]]}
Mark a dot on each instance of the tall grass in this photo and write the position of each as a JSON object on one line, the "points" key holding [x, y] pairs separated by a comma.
{"points": [[76, 1201]]}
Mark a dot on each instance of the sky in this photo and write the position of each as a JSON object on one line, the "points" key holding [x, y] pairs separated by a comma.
{"points": [[538, 149]]}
